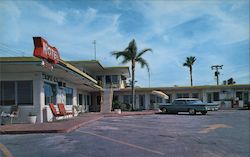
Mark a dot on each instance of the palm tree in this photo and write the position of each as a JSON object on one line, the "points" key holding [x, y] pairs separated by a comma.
{"points": [[131, 54], [189, 63]]}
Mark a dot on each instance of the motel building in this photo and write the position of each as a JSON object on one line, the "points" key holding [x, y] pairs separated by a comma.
{"points": [[32, 83]]}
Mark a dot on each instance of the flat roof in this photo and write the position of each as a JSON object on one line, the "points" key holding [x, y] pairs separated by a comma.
{"points": [[182, 88], [61, 62], [95, 66]]}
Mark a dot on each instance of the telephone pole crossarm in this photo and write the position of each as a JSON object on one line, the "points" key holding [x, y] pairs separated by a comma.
{"points": [[216, 73]]}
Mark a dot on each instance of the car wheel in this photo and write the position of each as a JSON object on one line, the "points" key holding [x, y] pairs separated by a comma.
{"points": [[192, 111], [164, 110], [203, 112]]}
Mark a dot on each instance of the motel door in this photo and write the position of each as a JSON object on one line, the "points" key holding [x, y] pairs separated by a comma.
{"points": [[209, 97], [142, 102], [80, 101]]}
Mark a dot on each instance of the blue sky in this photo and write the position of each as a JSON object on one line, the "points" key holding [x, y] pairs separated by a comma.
{"points": [[215, 32]]}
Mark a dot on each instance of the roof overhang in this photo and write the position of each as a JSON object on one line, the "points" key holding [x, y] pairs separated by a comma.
{"points": [[61, 70], [160, 94], [95, 67]]}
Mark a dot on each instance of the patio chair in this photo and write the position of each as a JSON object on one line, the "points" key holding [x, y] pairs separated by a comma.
{"points": [[54, 112], [63, 111], [14, 112]]}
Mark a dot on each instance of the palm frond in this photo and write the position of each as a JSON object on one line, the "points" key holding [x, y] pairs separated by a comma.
{"points": [[143, 63], [185, 64], [143, 51], [117, 54], [189, 61], [126, 56], [132, 48]]}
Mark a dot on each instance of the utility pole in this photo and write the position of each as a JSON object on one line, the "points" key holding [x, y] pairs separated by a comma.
{"points": [[216, 73], [94, 42]]}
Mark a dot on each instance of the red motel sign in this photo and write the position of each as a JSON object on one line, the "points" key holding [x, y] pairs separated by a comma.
{"points": [[45, 51]]}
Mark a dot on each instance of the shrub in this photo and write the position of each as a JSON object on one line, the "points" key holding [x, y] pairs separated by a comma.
{"points": [[122, 106]]}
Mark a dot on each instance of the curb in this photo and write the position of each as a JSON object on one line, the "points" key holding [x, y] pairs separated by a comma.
{"points": [[124, 114], [61, 130]]}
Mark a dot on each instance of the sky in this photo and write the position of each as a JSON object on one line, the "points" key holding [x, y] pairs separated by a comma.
{"points": [[216, 32]]}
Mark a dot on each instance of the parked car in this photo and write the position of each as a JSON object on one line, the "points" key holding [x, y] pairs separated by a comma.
{"points": [[190, 105]]}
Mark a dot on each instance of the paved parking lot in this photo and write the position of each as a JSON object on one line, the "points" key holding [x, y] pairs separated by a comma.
{"points": [[217, 134]]}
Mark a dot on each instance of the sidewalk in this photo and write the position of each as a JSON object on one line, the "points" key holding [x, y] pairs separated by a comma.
{"points": [[60, 126], [64, 126]]}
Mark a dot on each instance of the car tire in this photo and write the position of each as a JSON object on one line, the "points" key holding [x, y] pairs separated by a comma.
{"points": [[192, 111], [203, 112], [164, 110]]}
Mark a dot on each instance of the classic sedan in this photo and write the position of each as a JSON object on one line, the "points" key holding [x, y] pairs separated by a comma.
{"points": [[190, 105]]}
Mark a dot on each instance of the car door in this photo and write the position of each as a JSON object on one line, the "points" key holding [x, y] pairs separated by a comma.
{"points": [[182, 106], [178, 105]]}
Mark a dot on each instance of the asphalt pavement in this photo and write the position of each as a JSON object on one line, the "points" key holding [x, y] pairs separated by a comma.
{"points": [[217, 134]]}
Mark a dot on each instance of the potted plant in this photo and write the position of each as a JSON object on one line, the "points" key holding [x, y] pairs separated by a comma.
{"points": [[32, 118], [76, 109], [117, 107]]}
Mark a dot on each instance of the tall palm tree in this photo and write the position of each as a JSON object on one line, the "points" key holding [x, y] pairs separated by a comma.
{"points": [[131, 54], [189, 63]]}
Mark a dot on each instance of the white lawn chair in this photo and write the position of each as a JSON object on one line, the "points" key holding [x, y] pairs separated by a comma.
{"points": [[14, 111]]}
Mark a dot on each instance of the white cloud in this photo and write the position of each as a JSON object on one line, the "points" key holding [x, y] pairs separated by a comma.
{"points": [[46, 12], [9, 19]]}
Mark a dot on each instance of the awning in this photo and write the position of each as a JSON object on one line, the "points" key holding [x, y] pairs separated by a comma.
{"points": [[160, 94]]}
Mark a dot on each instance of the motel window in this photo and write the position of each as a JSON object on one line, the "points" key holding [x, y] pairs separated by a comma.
{"points": [[115, 79], [50, 93], [152, 99], [239, 95], [116, 98], [108, 79], [88, 100], [24, 92], [99, 78], [216, 96], [69, 95], [158, 99], [80, 99], [209, 97], [7, 93], [195, 95], [170, 98], [182, 95], [127, 99], [16, 93]]}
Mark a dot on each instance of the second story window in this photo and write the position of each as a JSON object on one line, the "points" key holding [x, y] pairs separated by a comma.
{"points": [[114, 79], [108, 79]]}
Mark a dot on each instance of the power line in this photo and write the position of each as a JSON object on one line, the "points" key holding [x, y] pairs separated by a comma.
{"points": [[8, 51], [3, 45]]}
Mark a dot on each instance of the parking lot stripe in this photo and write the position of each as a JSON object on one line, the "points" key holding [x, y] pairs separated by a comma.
{"points": [[5, 151], [124, 143], [213, 127]]}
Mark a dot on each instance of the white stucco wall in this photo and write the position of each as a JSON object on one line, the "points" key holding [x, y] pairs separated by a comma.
{"points": [[26, 109]]}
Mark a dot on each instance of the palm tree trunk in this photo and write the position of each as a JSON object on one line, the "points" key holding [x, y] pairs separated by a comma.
{"points": [[133, 85], [191, 76]]}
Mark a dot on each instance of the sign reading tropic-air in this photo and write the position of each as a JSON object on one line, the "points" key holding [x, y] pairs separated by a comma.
{"points": [[45, 51]]}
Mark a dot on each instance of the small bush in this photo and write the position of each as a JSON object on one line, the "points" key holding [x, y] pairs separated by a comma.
{"points": [[122, 106]]}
